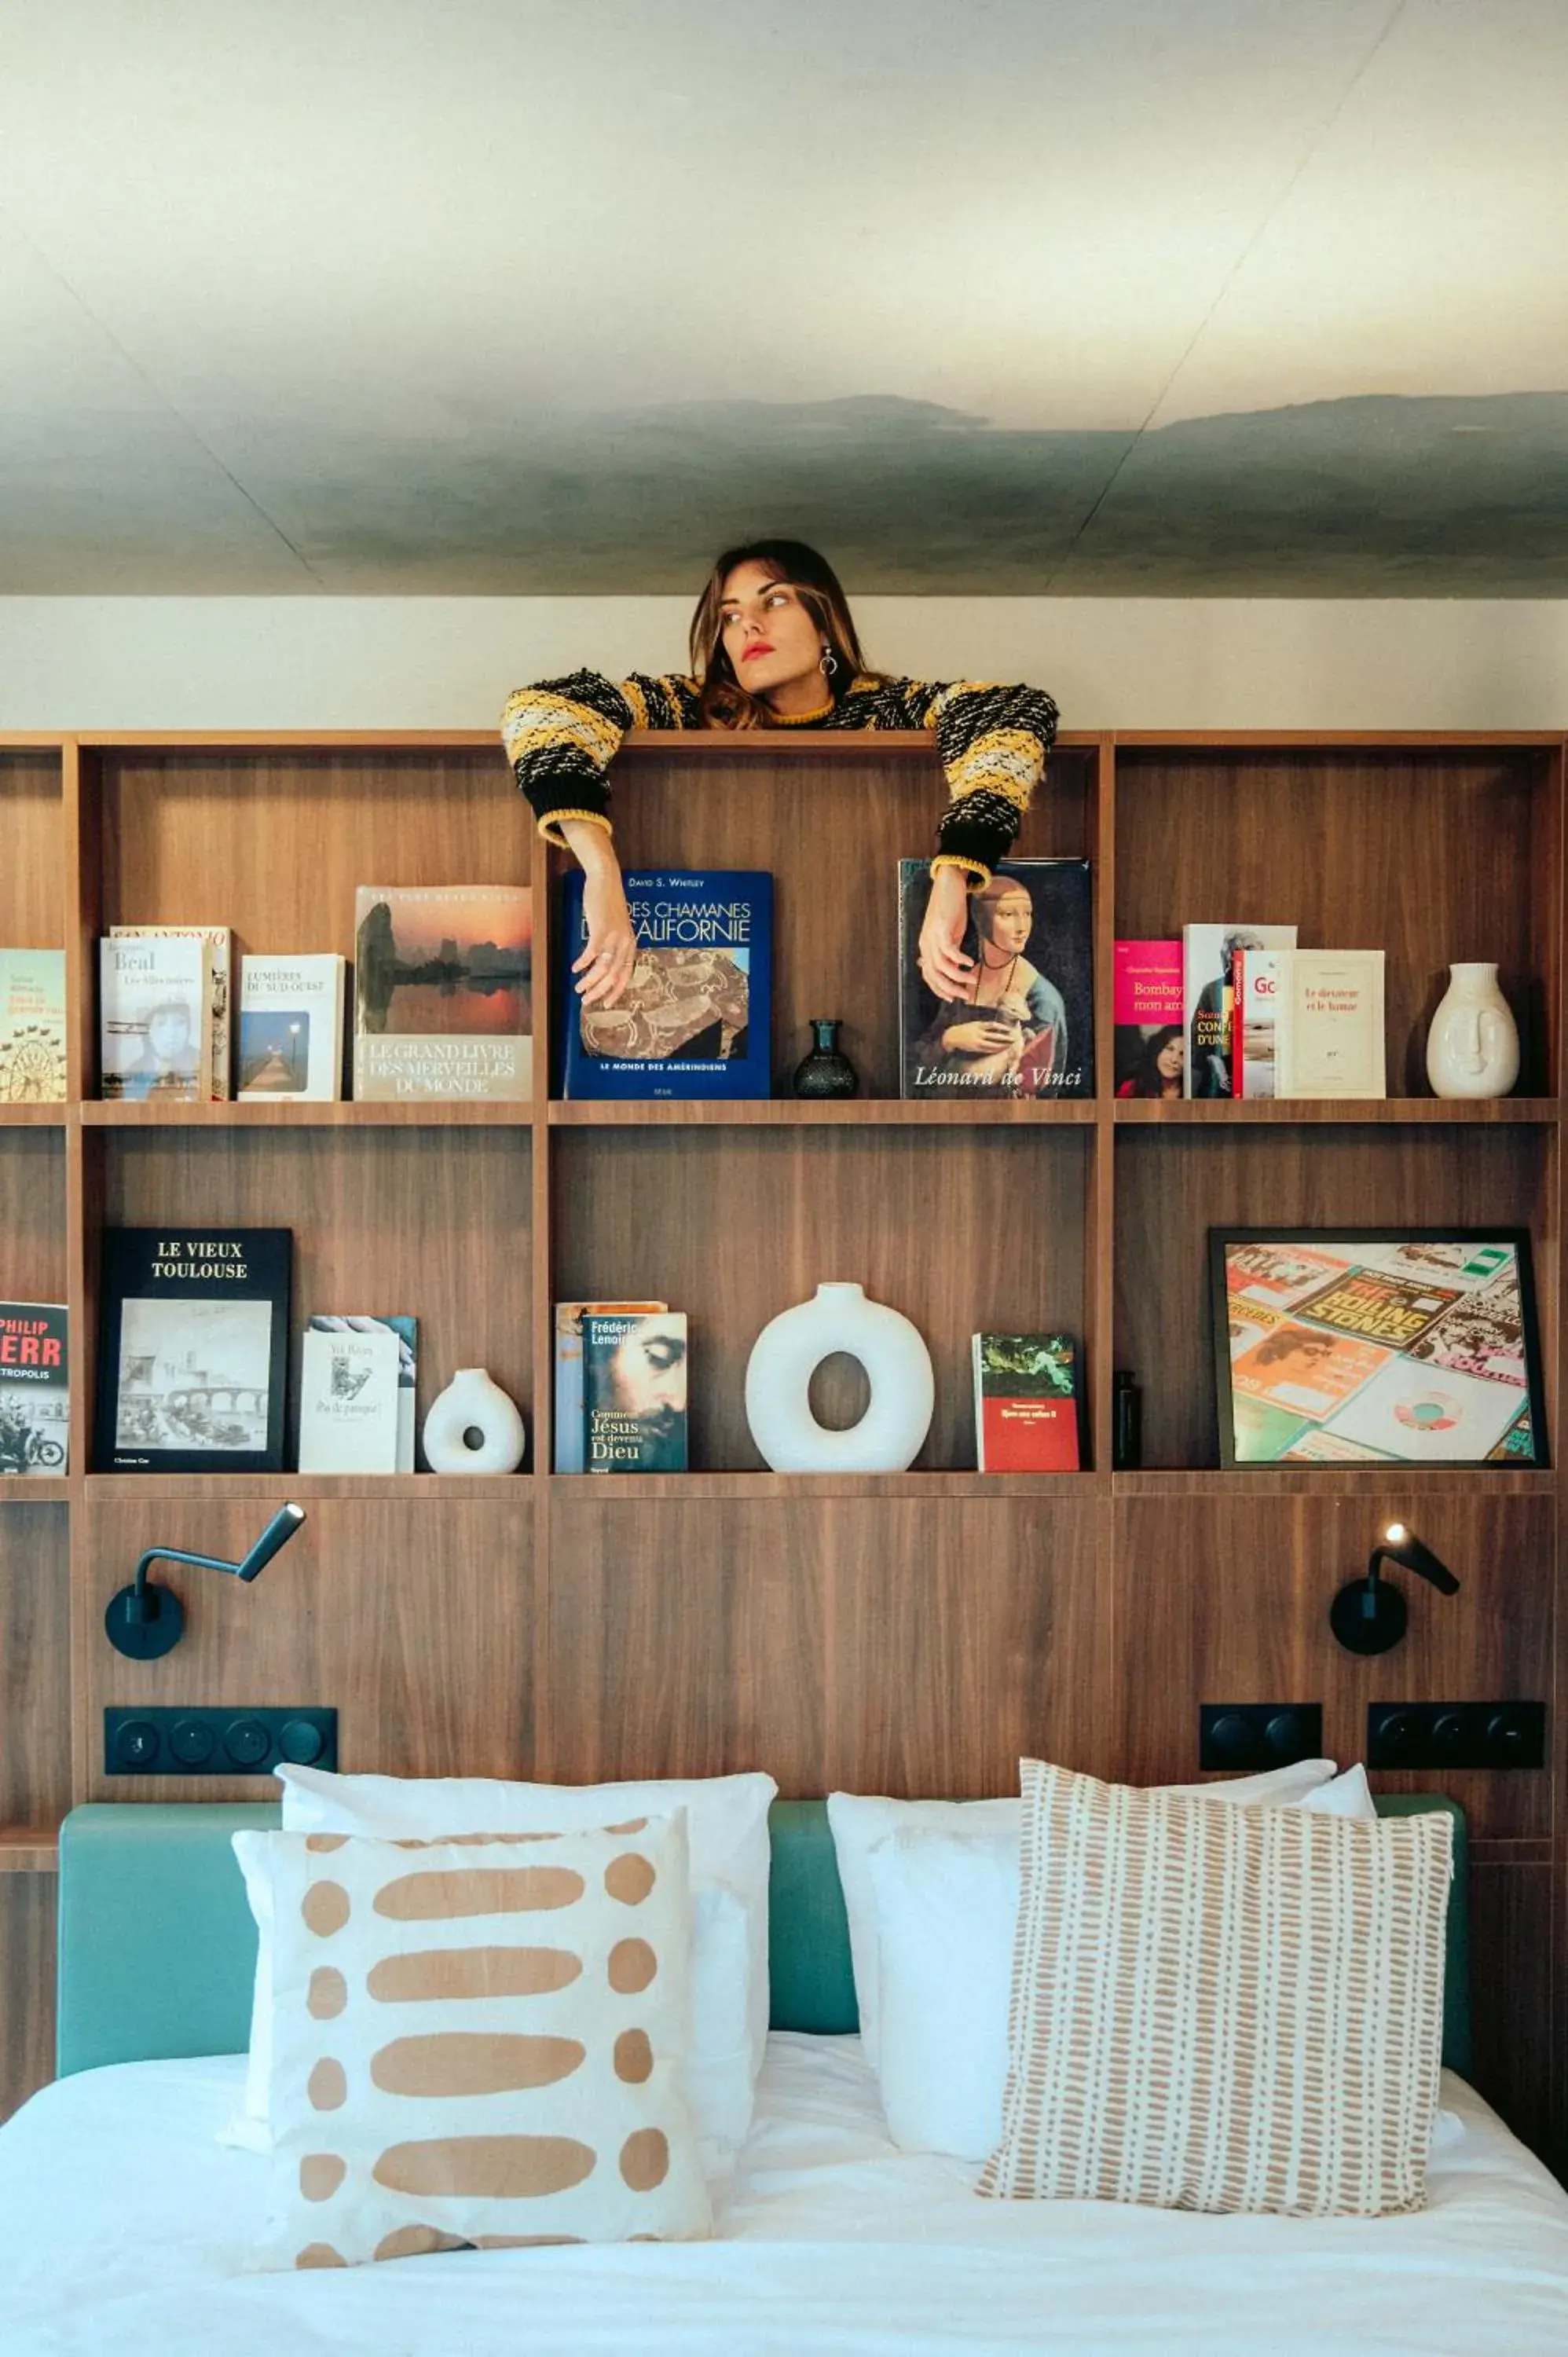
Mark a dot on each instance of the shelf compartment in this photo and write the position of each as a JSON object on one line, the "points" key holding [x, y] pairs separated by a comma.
{"points": [[32, 827], [779, 1113], [251, 1112], [29, 1849], [35, 1666], [1312, 1113]]}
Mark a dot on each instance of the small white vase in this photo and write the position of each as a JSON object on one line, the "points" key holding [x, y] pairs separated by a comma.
{"points": [[472, 1403], [790, 1349], [1472, 1049]]}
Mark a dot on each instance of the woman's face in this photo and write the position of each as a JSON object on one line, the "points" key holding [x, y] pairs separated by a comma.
{"points": [[1168, 1062], [649, 1373], [1006, 923], [770, 639]]}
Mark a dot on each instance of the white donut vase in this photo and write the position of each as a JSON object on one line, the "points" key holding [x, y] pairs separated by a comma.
{"points": [[788, 1351], [472, 1402]]}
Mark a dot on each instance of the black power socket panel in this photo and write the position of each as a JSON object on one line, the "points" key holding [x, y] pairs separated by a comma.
{"points": [[226, 1739], [1253, 1735], [1457, 1735]]}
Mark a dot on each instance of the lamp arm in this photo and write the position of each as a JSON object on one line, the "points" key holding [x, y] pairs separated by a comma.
{"points": [[138, 1606]]}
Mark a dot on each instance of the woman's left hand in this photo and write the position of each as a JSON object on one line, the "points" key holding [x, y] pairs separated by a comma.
{"points": [[944, 969]]}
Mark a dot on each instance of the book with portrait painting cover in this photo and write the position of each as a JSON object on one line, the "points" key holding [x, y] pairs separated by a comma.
{"points": [[442, 992], [696, 1019], [1028, 1030], [634, 1392], [568, 1418], [155, 1019], [1025, 1402], [220, 944]]}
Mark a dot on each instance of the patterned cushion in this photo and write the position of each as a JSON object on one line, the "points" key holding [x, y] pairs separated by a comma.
{"points": [[477, 2042], [1227, 2009]]}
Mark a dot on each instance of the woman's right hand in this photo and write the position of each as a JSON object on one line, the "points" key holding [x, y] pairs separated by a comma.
{"points": [[977, 1038], [610, 953]]}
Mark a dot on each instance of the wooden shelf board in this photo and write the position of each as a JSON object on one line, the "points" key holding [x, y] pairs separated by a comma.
{"points": [[1343, 1480], [422, 1487], [33, 1117], [29, 1849], [785, 1113], [632, 1489], [1311, 1112], [35, 1488], [251, 1112]]}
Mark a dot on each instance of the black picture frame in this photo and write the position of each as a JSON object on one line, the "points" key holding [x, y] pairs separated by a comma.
{"points": [[241, 1265], [1315, 1240]]}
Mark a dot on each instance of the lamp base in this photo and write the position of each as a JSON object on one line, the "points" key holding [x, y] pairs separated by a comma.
{"points": [[145, 1641], [1359, 1633]]}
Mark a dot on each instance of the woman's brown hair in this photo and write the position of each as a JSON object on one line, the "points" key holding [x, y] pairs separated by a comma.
{"points": [[725, 703]]}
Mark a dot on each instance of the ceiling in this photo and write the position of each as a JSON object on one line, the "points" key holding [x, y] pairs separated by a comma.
{"points": [[1034, 296]]}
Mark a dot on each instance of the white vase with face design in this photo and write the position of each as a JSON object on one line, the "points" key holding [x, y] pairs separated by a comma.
{"points": [[1472, 1049], [474, 1426], [787, 1354]]}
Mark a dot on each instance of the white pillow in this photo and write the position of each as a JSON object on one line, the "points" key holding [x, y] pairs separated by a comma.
{"points": [[726, 1832], [947, 1910], [860, 1820]]}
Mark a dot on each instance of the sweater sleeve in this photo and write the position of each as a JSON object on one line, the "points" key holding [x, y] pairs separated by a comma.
{"points": [[561, 735], [992, 741]]}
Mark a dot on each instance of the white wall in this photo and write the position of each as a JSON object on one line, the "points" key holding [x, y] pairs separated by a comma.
{"points": [[431, 663]]}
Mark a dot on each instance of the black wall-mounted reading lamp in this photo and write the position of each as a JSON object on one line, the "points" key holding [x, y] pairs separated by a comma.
{"points": [[1367, 1616], [145, 1620]]}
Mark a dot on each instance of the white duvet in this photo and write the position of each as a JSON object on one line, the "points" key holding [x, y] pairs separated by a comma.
{"points": [[124, 2227]]}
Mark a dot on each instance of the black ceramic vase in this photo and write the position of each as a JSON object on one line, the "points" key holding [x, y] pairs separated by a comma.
{"points": [[827, 1071]]}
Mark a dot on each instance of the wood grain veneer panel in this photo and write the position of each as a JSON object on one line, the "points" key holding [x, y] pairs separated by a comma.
{"points": [[35, 1664], [32, 852], [830, 828], [32, 1216], [27, 1986], [1220, 1601], [1433, 854], [432, 1221], [415, 1624], [1173, 1185], [1512, 1982], [963, 1232]]}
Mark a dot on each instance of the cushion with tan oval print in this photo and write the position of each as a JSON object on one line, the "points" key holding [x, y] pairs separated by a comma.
{"points": [[477, 2042]]}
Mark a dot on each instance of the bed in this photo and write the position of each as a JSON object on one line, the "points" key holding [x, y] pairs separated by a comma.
{"points": [[124, 2222]]}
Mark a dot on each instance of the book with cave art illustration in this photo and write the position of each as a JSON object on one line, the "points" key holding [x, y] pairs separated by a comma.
{"points": [[695, 1019]]}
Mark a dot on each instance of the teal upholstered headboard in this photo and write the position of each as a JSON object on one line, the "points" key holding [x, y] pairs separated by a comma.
{"points": [[158, 1950]]}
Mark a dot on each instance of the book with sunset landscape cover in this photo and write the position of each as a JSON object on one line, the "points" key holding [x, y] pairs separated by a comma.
{"points": [[442, 992]]}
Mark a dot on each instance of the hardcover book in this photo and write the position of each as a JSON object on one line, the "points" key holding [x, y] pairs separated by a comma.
{"points": [[1025, 1402], [156, 1038], [1150, 1036], [634, 1393], [1208, 994], [568, 1418], [1331, 1024], [442, 992], [291, 1028], [1027, 1028], [1256, 1033], [193, 1350], [220, 944], [696, 1018], [34, 1388], [32, 1027], [348, 1397]]}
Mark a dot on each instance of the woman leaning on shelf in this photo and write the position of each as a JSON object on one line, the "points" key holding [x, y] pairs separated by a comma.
{"points": [[774, 646]]}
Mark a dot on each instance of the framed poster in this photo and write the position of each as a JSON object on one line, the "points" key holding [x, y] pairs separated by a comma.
{"points": [[1376, 1346]]}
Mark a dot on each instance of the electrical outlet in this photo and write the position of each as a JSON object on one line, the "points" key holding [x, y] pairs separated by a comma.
{"points": [[1457, 1735], [226, 1741], [1256, 1735]]}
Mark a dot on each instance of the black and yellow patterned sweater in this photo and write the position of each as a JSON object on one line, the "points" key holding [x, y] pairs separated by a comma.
{"points": [[562, 735]]}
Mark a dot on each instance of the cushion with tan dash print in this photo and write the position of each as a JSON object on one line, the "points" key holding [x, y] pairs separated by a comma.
{"points": [[1223, 2009], [477, 2042]]}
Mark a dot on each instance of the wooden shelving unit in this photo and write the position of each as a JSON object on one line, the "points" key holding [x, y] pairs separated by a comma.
{"points": [[912, 1632]]}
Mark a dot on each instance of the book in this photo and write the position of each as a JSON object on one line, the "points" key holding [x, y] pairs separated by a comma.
{"points": [[1330, 1041], [32, 1027], [568, 1418], [1208, 998], [34, 1388], [442, 992], [696, 1018], [1028, 1028], [634, 1392], [220, 958], [291, 1028], [154, 1023], [348, 1397], [1025, 1402], [1150, 1036], [193, 1350], [1256, 1032]]}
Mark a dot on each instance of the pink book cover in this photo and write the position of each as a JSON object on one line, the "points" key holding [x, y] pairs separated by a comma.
{"points": [[1148, 983]]}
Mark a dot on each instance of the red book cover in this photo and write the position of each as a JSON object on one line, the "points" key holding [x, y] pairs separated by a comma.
{"points": [[1148, 983], [1025, 1402]]}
